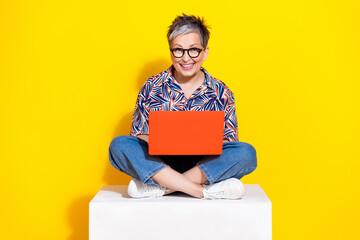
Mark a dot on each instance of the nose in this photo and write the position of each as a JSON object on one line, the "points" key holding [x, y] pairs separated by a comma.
{"points": [[186, 56]]}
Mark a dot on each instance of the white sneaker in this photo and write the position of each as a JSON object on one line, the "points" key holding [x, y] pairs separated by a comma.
{"points": [[137, 189], [231, 188]]}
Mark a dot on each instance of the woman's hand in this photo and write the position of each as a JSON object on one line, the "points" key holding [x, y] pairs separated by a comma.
{"points": [[144, 137]]}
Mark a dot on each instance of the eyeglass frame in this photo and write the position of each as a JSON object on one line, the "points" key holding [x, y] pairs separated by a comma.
{"points": [[186, 50]]}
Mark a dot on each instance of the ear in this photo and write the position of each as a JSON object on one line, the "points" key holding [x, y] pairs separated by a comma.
{"points": [[206, 53]]}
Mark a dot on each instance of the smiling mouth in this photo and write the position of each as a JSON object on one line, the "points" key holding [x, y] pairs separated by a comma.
{"points": [[187, 66]]}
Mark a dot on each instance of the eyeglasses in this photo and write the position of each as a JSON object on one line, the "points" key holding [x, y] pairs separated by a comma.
{"points": [[192, 52]]}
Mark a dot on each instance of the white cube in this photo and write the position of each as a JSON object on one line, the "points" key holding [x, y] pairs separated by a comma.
{"points": [[114, 215]]}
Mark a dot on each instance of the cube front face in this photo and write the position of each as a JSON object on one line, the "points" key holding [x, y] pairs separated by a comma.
{"points": [[166, 218]]}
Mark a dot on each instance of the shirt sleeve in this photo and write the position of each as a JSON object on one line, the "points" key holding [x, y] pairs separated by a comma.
{"points": [[231, 125], [140, 120]]}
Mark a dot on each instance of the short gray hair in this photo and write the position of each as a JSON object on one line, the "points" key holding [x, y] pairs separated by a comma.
{"points": [[189, 24]]}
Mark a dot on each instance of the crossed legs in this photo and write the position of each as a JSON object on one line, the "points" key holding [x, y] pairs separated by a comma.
{"points": [[189, 182], [129, 154]]}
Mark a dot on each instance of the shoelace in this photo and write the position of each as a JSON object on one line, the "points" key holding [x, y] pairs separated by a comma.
{"points": [[219, 194], [216, 194], [150, 188]]}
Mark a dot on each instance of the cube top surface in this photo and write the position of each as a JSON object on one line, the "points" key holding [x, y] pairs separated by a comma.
{"points": [[118, 194]]}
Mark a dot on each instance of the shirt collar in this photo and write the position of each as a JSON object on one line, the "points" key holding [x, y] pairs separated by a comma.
{"points": [[209, 80]]}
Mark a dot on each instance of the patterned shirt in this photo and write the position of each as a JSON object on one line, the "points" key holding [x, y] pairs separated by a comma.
{"points": [[161, 92]]}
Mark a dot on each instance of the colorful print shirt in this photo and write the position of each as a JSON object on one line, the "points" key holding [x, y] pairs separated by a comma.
{"points": [[161, 92]]}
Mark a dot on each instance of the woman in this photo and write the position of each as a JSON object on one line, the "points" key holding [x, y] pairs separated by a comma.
{"points": [[185, 86]]}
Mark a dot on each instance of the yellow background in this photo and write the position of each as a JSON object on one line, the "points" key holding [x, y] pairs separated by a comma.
{"points": [[70, 72]]}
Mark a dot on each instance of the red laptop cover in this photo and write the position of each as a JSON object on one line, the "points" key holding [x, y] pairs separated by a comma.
{"points": [[186, 132]]}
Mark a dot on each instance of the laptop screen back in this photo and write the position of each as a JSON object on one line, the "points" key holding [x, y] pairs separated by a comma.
{"points": [[186, 132]]}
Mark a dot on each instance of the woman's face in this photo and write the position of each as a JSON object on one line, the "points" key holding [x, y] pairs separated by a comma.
{"points": [[187, 67]]}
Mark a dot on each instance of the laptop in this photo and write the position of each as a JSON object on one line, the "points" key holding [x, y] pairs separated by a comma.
{"points": [[186, 132]]}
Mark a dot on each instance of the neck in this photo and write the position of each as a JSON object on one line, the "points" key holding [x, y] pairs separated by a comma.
{"points": [[191, 80]]}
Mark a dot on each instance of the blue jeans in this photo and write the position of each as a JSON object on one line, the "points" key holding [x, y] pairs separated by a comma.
{"points": [[129, 154]]}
